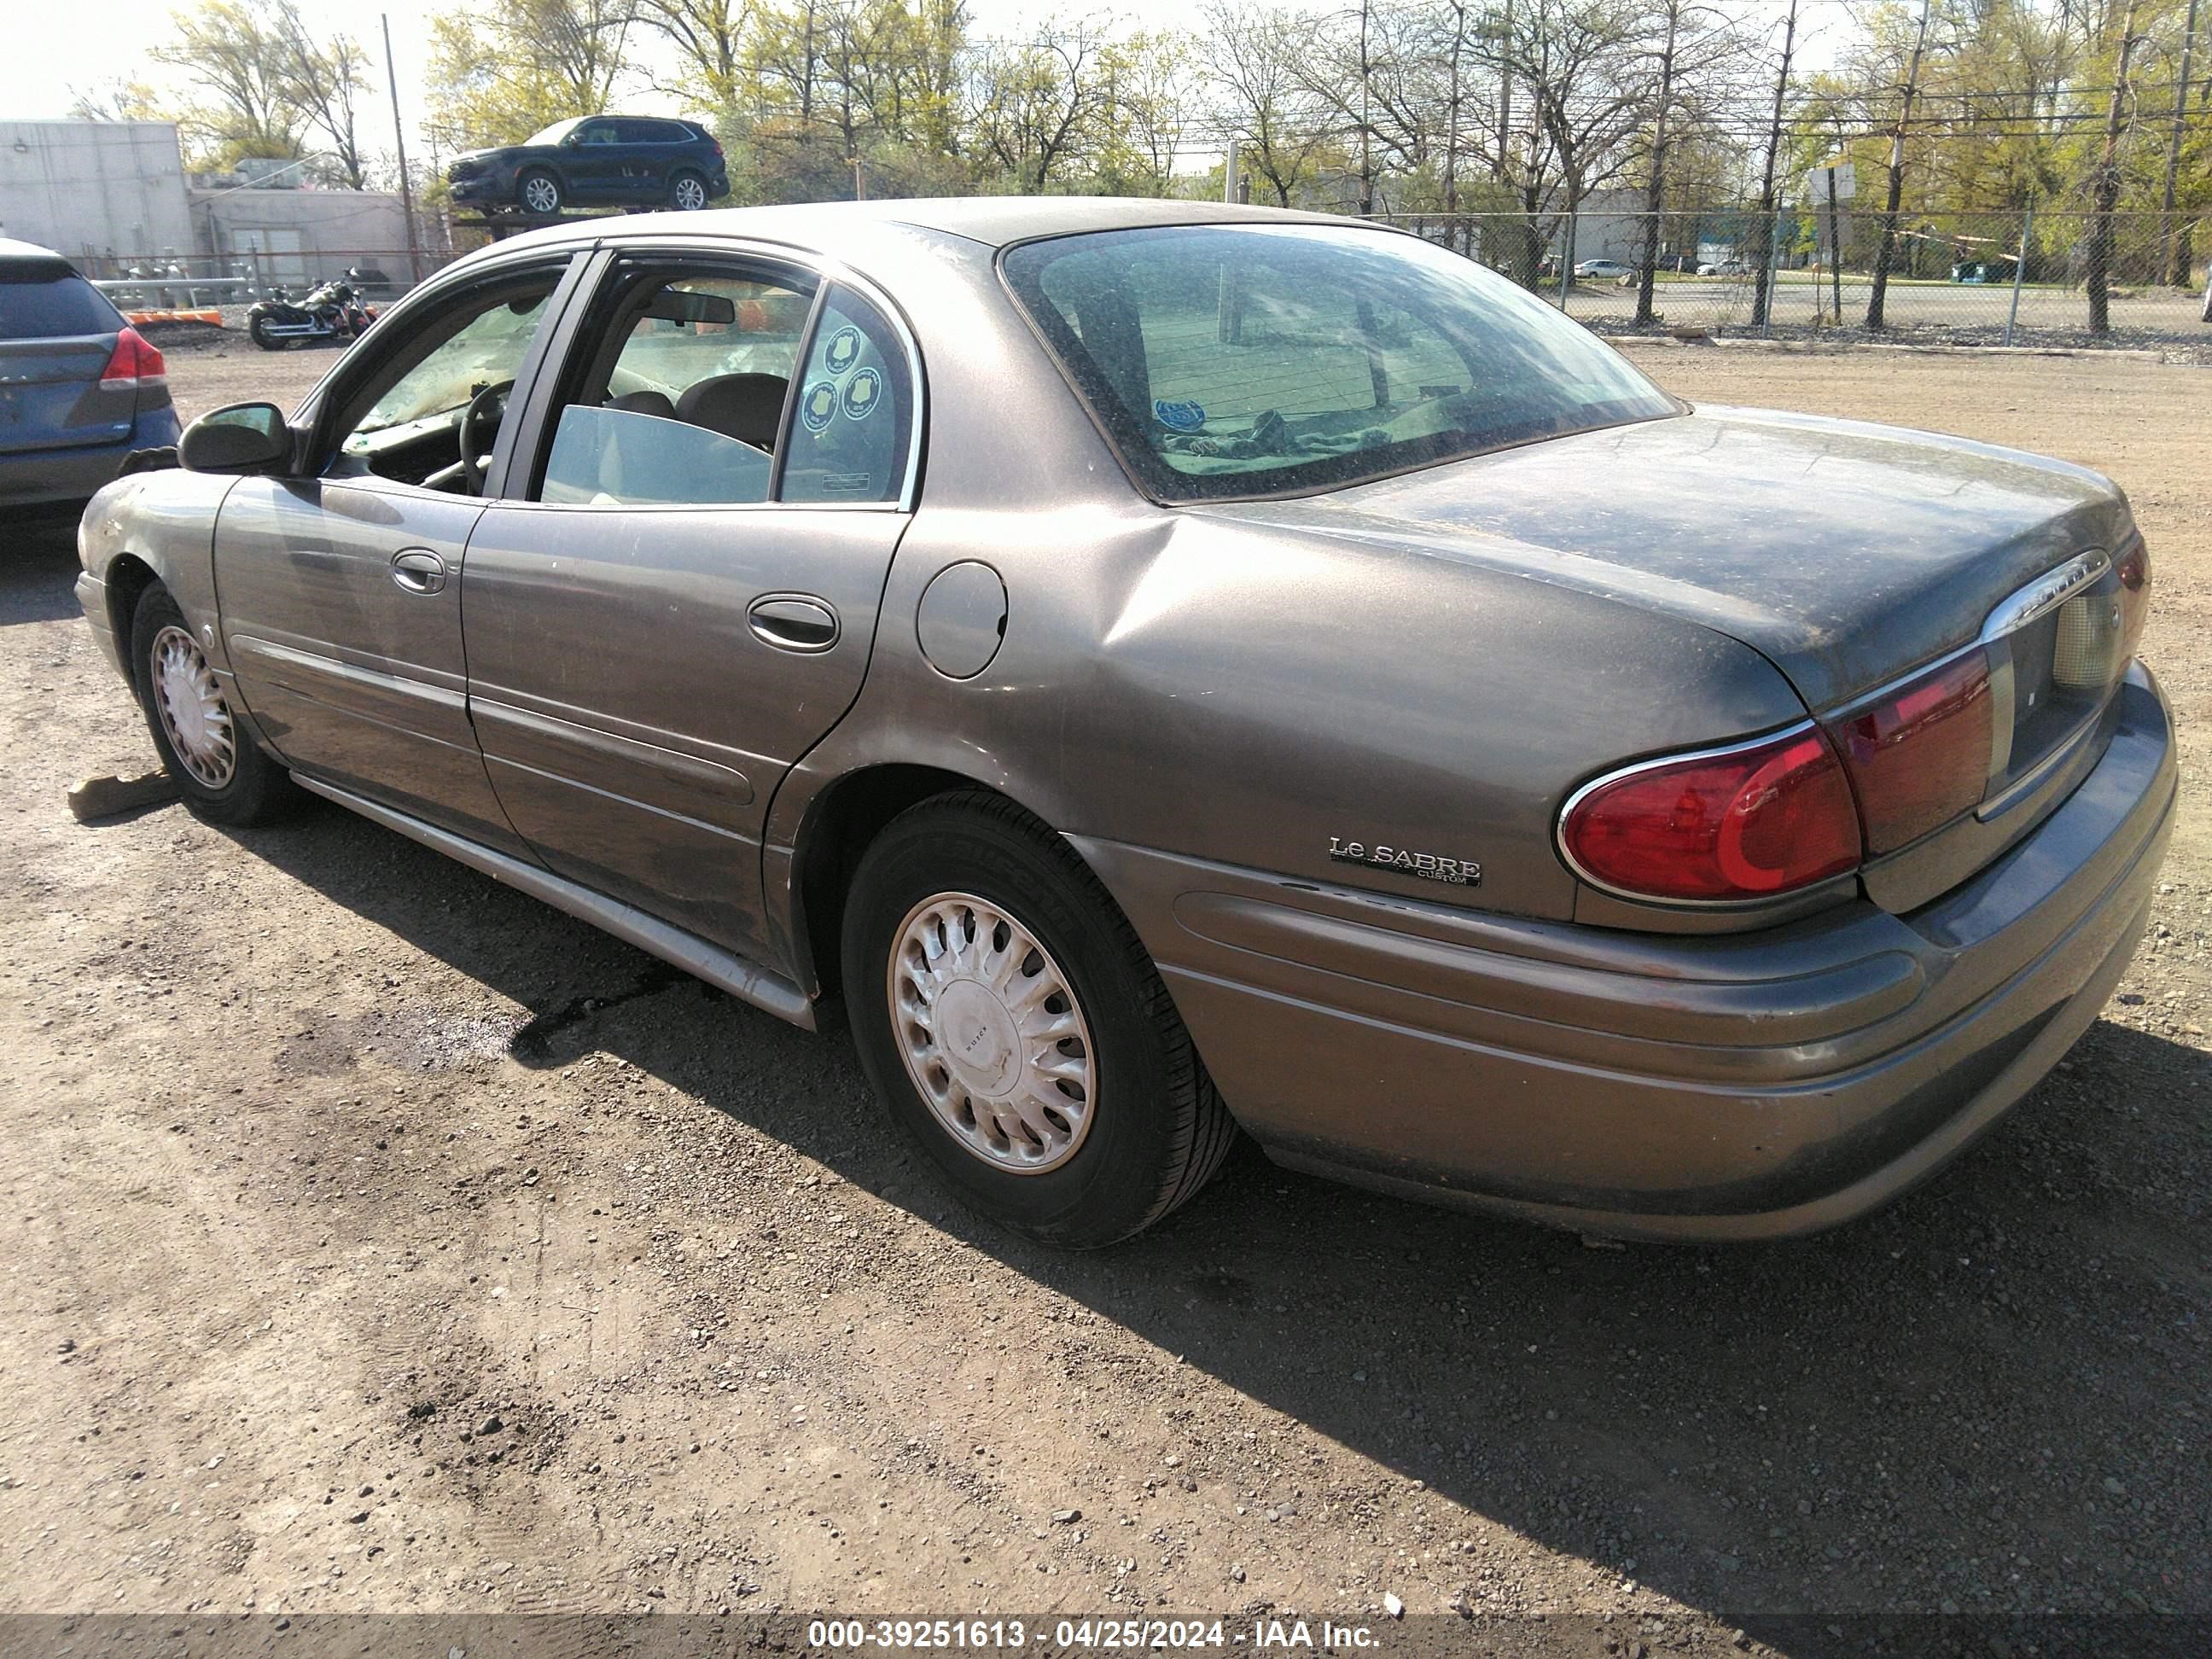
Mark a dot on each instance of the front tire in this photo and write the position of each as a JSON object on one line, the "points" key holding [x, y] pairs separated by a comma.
{"points": [[538, 192], [223, 774], [1016, 1030]]}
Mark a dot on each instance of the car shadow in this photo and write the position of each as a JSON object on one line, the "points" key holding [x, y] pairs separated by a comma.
{"points": [[38, 566], [1975, 1401]]}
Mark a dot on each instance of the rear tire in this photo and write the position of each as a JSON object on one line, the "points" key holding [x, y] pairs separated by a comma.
{"points": [[1016, 1030], [258, 328], [687, 192], [224, 775]]}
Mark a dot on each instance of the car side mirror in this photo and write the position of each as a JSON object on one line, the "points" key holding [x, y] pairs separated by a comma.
{"points": [[243, 438]]}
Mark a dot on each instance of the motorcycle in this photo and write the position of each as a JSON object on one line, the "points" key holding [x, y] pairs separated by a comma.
{"points": [[333, 310]]}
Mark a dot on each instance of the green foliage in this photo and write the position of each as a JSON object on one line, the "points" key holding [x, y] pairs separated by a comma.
{"points": [[261, 83]]}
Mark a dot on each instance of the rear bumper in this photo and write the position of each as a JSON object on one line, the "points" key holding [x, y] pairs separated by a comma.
{"points": [[1660, 1086], [33, 477]]}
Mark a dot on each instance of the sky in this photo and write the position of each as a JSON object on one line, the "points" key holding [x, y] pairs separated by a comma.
{"points": [[55, 50]]}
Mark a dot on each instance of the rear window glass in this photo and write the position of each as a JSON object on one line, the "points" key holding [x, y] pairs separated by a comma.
{"points": [[1238, 360], [46, 302]]}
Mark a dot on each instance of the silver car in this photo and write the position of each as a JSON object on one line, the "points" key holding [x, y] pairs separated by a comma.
{"points": [[1174, 670]]}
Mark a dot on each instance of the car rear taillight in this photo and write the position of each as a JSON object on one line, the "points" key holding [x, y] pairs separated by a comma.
{"points": [[1746, 822], [133, 364], [2133, 567], [1918, 753]]}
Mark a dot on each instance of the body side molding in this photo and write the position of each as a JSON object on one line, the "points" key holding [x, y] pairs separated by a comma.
{"points": [[746, 981]]}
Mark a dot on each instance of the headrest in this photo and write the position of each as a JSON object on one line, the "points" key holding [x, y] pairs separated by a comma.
{"points": [[746, 407], [643, 403]]}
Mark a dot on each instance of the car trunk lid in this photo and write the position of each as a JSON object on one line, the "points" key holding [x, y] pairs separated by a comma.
{"points": [[51, 396], [1851, 556], [57, 334]]}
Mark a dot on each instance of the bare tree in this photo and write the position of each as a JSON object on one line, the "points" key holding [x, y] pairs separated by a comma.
{"points": [[324, 80], [1034, 101], [708, 38], [1250, 50], [233, 56], [2104, 187], [1690, 77]]}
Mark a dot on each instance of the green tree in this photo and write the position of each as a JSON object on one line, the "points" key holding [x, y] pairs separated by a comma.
{"points": [[237, 64], [503, 70]]}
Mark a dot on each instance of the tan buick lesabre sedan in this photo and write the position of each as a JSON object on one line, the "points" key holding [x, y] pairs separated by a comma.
{"points": [[1173, 670]]}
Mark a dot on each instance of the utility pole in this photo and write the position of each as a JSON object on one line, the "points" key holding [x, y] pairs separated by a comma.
{"points": [[2175, 255], [859, 183], [1229, 158], [1888, 250], [1764, 293], [399, 138], [2107, 191]]}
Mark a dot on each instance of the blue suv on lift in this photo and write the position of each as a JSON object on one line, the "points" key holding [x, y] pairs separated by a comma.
{"points": [[595, 161]]}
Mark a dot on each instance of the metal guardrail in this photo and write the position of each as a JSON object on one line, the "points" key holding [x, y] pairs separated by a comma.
{"points": [[172, 279]]}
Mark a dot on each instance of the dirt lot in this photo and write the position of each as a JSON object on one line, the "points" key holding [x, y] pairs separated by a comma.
{"points": [[379, 1239]]}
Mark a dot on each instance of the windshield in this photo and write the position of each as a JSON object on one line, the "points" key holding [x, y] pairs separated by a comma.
{"points": [[557, 132], [1227, 361]]}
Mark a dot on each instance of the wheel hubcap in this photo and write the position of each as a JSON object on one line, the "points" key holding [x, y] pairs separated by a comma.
{"points": [[539, 196], [691, 193], [194, 717], [991, 1034]]}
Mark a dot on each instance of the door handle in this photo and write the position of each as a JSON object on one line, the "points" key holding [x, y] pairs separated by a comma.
{"points": [[793, 622], [418, 570]]}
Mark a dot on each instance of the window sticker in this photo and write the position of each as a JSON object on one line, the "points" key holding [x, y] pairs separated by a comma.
{"points": [[844, 346], [1185, 416], [862, 393], [820, 406]]}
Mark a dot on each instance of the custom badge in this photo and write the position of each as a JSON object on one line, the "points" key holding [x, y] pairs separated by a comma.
{"points": [[862, 392], [1184, 417], [844, 346], [1429, 867], [819, 406]]}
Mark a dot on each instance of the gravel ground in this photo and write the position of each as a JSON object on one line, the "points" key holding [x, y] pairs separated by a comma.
{"points": [[382, 1240]]}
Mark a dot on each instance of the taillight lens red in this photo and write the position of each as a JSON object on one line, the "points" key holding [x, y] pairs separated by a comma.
{"points": [[2134, 567], [133, 363], [1920, 755], [1739, 824]]}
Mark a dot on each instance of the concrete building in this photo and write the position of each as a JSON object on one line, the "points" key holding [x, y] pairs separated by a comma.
{"points": [[89, 188], [109, 194], [292, 236]]}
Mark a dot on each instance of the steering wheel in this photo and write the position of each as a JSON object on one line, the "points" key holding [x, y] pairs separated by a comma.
{"points": [[478, 431]]}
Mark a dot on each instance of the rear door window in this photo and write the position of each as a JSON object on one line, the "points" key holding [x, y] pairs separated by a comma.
{"points": [[854, 427], [49, 301], [681, 392]]}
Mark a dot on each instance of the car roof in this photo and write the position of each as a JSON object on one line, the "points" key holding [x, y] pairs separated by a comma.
{"points": [[992, 221], [27, 251]]}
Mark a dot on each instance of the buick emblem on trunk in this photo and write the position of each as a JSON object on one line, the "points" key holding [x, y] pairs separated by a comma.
{"points": [[1459, 872]]}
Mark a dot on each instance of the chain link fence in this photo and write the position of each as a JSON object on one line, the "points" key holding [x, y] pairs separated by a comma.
{"points": [[2029, 277]]}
